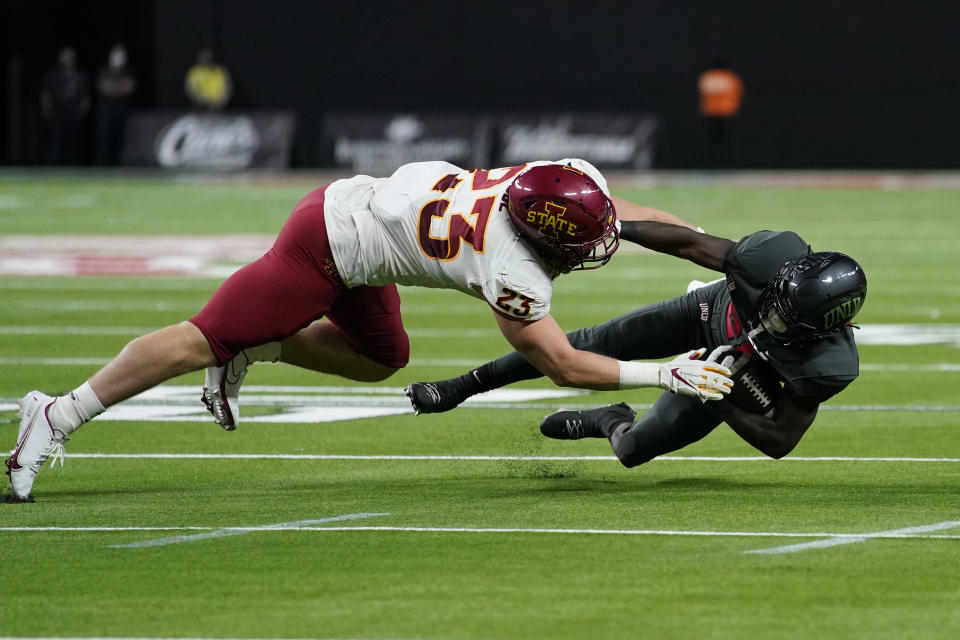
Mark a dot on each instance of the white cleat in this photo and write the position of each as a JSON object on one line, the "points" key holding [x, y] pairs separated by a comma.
{"points": [[221, 391], [36, 441]]}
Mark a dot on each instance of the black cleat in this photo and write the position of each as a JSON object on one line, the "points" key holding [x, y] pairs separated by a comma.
{"points": [[433, 397], [596, 423]]}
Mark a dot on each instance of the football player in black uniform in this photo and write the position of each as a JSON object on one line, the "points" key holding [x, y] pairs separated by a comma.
{"points": [[781, 302]]}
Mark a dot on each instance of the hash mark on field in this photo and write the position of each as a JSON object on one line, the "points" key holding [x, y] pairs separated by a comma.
{"points": [[834, 541], [236, 531]]}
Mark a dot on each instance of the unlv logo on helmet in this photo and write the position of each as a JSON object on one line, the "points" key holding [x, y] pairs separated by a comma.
{"points": [[840, 314], [564, 216]]}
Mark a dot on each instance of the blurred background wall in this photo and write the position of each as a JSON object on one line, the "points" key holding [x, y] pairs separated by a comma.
{"points": [[827, 84]]}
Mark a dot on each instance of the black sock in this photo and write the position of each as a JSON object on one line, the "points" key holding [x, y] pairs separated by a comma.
{"points": [[470, 384]]}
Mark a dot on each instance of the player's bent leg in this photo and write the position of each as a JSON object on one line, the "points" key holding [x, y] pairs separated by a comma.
{"points": [[673, 423], [323, 347], [263, 303]]}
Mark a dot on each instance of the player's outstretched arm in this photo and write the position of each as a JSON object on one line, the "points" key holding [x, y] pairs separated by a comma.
{"points": [[624, 338], [700, 248], [776, 436], [544, 345], [628, 211]]}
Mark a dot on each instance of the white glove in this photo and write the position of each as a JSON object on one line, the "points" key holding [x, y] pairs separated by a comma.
{"points": [[687, 375]]}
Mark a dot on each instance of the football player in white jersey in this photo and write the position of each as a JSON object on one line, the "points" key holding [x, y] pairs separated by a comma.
{"points": [[501, 235]]}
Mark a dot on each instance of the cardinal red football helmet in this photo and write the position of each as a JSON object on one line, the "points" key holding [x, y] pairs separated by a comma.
{"points": [[564, 216]]}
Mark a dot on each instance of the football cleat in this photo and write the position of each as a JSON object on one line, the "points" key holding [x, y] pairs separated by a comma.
{"points": [[221, 391], [433, 397], [595, 423], [36, 441]]}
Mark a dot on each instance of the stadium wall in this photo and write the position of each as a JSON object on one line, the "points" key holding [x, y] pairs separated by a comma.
{"points": [[828, 85]]}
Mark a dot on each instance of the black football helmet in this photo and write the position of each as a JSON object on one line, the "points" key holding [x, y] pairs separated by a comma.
{"points": [[810, 298]]}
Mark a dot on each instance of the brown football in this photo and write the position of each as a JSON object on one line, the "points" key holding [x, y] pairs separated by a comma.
{"points": [[755, 383]]}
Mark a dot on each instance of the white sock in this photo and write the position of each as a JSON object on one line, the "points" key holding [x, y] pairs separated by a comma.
{"points": [[269, 352], [77, 407]]}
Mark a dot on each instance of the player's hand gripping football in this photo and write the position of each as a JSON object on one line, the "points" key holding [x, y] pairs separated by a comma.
{"points": [[687, 375], [730, 357]]}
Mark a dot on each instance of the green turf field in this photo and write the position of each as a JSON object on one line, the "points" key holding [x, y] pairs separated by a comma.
{"points": [[469, 525]]}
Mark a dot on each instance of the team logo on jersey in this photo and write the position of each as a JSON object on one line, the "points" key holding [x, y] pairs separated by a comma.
{"points": [[550, 222], [704, 311], [842, 312]]}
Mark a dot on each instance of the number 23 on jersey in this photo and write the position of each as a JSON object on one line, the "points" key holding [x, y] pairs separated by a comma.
{"points": [[460, 230]]}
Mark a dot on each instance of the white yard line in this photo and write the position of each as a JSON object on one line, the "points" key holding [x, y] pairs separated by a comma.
{"points": [[854, 537], [236, 531], [484, 458], [877, 334], [896, 534], [908, 532], [164, 638]]}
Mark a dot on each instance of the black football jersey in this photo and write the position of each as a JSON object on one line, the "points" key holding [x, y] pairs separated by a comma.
{"points": [[818, 369]]}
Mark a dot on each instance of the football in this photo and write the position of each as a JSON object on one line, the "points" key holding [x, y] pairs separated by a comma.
{"points": [[755, 383]]}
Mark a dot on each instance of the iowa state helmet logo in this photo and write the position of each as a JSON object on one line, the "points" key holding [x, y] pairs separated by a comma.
{"points": [[550, 222]]}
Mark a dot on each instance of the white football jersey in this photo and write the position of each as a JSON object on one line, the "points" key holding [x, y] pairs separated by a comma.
{"points": [[433, 224]]}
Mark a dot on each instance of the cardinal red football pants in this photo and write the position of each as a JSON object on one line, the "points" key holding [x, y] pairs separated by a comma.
{"points": [[295, 283]]}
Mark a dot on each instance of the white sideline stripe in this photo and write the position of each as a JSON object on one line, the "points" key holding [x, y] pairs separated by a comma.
{"points": [[897, 534], [834, 541], [484, 458], [236, 531]]}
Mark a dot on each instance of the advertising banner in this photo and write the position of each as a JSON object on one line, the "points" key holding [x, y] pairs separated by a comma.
{"points": [[607, 140], [378, 143], [220, 141]]}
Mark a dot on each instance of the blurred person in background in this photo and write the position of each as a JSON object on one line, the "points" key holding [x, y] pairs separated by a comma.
{"points": [[721, 93], [115, 86], [208, 83], [65, 102]]}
